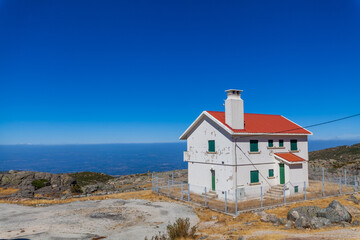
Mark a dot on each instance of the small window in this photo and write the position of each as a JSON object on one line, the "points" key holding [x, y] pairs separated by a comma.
{"points": [[281, 143], [293, 145], [254, 176], [271, 172], [270, 143], [254, 146], [296, 189], [211, 145]]}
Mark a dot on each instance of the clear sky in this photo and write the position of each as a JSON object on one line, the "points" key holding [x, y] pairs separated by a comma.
{"points": [[142, 71]]}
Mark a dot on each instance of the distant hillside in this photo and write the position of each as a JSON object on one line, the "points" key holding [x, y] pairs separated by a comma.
{"points": [[336, 159]]}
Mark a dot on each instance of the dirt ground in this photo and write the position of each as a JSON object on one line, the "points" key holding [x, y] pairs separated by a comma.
{"points": [[214, 225]]}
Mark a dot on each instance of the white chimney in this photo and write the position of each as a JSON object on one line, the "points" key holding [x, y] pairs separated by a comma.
{"points": [[234, 109]]}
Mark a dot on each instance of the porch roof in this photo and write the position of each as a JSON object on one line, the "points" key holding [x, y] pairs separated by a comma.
{"points": [[289, 157]]}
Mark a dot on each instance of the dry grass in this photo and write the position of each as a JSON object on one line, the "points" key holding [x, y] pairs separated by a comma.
{"points": [[7, 191]]}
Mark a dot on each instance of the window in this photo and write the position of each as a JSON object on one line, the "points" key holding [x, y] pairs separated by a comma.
{"points": [[271, 172], [254, 146], [254, 176], [296, 189], [270, 143], [211, 145], [281, 143], [293, 145]]}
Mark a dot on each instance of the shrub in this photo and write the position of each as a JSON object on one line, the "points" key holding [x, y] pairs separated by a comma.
{"points": [[76, 189], [86, 178], [178, 230], [181, 229], [39, 183]]}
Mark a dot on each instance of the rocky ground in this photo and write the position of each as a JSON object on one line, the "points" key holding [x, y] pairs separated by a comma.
{"points": [[111, 219], [47, 185]]}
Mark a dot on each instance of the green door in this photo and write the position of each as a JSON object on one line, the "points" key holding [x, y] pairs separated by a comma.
{"points": [[282, 173], [213, 180]]}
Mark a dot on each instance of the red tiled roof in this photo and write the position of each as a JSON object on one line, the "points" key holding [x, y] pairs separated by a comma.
{"points": [[290, 157], [263, 123]]}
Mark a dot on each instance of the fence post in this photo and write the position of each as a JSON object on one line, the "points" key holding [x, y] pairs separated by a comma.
{"points": [[172, 178], [157, 184], [345, 177], [261, 196], [323, 175], [168, 188], [152, 181], [340, 184], [226, 201], [235, 202], [181, 190], [284, 194], [205, 197], [305, 190], [188, 192], [355, 183]]}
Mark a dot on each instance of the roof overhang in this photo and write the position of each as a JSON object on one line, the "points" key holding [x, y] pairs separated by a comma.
{"points": [[281, 159], [185, 135]]}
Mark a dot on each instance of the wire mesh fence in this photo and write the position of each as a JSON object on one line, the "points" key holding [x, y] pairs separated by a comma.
{"points": [[254, 197]]}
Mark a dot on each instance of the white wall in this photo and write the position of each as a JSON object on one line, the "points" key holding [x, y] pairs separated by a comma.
{"points": [[228, 155]]}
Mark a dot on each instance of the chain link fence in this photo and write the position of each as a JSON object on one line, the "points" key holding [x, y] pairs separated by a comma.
{"points": [[256, 197]]}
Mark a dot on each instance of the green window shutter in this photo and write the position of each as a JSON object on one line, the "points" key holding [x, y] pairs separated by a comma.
{"points": [[254, 146], [296, 189], [293, 145], [271, 172], [281, 143], [254, 176], [270, 143], [211, 145]]}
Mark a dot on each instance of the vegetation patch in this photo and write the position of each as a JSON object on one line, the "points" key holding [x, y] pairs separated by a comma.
{"points": [[86, 178], [39, 183], [180, 229]]}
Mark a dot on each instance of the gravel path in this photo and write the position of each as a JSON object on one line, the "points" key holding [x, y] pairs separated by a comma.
{"points": [[113, 219]]}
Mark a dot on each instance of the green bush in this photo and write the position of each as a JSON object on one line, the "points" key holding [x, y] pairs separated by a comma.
{"points": [[39, 183], [86, 178], [76, 189]]}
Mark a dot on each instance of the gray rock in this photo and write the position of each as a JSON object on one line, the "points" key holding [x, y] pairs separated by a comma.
{"points": [[356, 223], [335, 212], [25, 193], [282, 221], [308, 212], [302, 222], [241, 238], [213, 217], [288, 225], [345, 224], [316, 223], [270, 218]]}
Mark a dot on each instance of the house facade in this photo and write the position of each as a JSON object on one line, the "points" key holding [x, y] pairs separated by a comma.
{"points": [[236, 150]]}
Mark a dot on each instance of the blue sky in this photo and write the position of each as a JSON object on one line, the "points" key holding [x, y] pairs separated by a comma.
{"points": [[142, 71]]}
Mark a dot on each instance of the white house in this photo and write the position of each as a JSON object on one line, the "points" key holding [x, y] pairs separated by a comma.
{"points": [[236, 150]]}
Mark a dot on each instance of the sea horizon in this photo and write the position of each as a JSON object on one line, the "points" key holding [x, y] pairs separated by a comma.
{"points": [[109, 158]]}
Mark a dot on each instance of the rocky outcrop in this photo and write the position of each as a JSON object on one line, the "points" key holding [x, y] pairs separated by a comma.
{"points": [[315, 217], [335, 212], [28, 183]]}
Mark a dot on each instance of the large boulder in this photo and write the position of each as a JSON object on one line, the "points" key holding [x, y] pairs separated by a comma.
{"points": [[316, 223], [302, 222], [335, 212], [307, 212]]}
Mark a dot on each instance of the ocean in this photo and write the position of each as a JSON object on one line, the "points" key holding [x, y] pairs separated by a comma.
{"points": [[113, 159]]}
